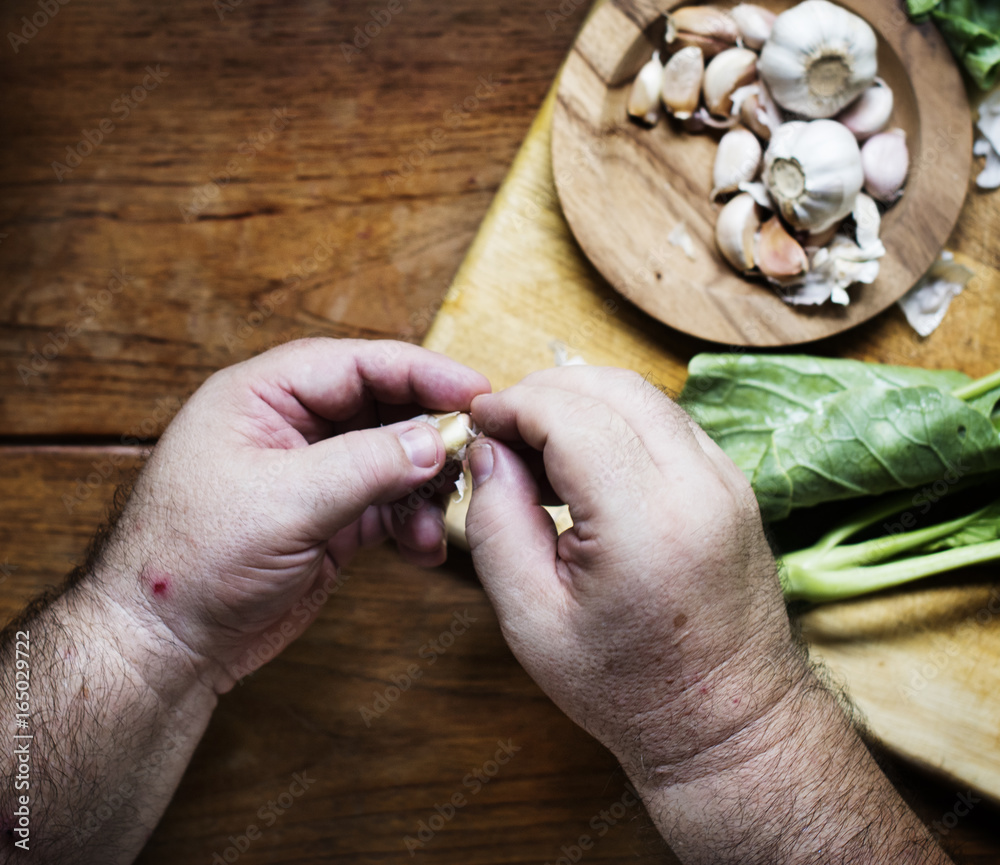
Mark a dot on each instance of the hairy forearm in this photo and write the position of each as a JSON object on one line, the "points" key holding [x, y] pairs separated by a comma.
{"points": [[805, 789], [115, 711]]}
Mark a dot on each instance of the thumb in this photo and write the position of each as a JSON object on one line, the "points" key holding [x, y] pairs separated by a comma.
{"points": [[512, 538], [338, 478]]}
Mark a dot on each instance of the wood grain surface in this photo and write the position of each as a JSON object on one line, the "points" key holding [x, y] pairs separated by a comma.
{"points": [[188, 309], [624, 187]]}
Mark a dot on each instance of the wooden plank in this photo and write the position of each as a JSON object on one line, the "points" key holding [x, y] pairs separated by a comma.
{"points": [[525, 284], [364, 201]]}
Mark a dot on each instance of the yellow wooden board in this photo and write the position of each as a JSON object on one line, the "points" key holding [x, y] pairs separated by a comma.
{"points": [[921, 664]]}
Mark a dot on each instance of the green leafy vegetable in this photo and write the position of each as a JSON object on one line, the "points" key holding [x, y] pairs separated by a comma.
{"points": [[972, 29], [808, 430]]}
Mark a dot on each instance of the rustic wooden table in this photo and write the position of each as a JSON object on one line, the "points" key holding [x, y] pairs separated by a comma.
{"points": [[164, 170]]}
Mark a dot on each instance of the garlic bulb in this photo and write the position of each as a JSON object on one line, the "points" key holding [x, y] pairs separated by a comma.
{"points": [[644, 97], [886, 162], [727, 73], [819, 58], [736, 231], [736, 161], [680, 87], [709, 28], [755, 24], [813, 172]]}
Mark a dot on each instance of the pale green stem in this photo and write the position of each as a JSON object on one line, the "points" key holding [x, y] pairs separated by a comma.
{"points": [[819, 585], [977, 388]]}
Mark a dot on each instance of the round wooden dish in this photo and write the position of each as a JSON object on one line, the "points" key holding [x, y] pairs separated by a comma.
{"points": [[624, 187]]}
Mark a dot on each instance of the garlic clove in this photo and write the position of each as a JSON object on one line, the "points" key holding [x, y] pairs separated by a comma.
{"points": [[819, 58], [706, 22], [870, 112], [680, 86], [754, 24], [644, 97], [735, 232], [726, 73], [736, 161], [813, 172], [885, 159], [779, 255]]}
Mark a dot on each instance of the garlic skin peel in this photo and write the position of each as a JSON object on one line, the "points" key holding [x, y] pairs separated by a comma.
{"points": [[813, 172], [818, 59]]}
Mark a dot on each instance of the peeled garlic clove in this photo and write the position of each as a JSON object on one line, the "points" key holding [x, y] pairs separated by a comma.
{"points": [[736, 230], [736, 161], [885, 159], [754, 24], [456, 429], [728, 72], [702, 22], [680, 87], [813, 172], [819, 58], [644, 97], [870, 112], [868, 222], [779, 255]]}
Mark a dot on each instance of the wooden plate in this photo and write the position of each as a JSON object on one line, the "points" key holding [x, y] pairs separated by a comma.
{"points": [[624, 187]]}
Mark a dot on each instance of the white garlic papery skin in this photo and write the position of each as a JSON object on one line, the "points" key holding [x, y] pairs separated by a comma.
{"points": [[870, 112], [819, 58], [736, 161], [813, 172], [755, 24], [644, 97], [885, 159]]}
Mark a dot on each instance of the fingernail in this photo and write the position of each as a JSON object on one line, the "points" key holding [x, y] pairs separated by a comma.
{"points": [[421, 446], [481, 463]]}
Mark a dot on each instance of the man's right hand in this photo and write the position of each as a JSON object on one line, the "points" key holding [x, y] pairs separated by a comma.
{"points": [[657, 624]]}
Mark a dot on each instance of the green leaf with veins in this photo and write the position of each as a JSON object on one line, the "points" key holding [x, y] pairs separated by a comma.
{"points": [[807, 430]]}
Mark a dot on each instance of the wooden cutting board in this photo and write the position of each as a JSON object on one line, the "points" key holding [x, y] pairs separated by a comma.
{"points": [[923, 665]]}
